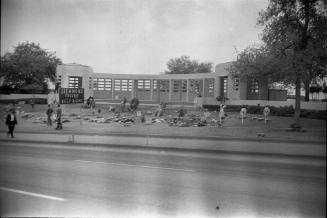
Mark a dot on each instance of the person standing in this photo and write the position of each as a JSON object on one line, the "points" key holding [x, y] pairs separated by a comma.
{"points": [[59, 112], [11, 121], [123, 104], [49, 114], [32, 103], [266, 112], [221, 113]]}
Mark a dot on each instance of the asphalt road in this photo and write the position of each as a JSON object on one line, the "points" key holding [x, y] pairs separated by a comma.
{"points": [[61, 180]]}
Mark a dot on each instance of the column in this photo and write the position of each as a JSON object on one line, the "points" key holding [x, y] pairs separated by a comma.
{"points": [[217, 87], [170, 90], [202, 88], [151, 90], [188, 90], [133, 90], [112, 88]]}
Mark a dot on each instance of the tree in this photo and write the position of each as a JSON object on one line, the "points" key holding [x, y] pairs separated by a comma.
{"points": [[184, 65], [295, 44], [324, 90], [258, 63], [296, 33], [28, 66]]}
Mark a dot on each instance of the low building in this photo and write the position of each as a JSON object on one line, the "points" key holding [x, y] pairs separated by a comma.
{"points": [[183, 89]]}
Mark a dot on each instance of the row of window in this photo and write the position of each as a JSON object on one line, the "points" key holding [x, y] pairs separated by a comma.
{"points": [[105, 84]]}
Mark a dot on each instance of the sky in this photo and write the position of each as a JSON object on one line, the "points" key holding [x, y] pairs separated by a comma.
{"points": [[133, 36]]}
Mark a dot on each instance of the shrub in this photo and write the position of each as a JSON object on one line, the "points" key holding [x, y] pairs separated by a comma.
{"points": [[211, 107], [36, 100], [285, 111]]}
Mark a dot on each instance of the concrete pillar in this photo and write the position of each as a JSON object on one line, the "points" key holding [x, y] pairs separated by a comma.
{"points": [[151, 89], [188, 90], [170, 90], [133, 88], [112, 88], [205, 87], [217, 87], [202, 88]]}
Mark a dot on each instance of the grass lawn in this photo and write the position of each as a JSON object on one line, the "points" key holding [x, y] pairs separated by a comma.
{"points": [[232, 126]]}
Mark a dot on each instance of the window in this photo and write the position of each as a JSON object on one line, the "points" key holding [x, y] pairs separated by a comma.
{"points": [[176, 85], [236, 83], [163, 85], [140, 84], [143, 85], [184, 85], [126, 85], [147, 85], [102, 84], [107, 84], [225, 86], [254, 86], [117, 84], [90, 82], [75, 82], [122, 85], [211, 85], [154, 84]]}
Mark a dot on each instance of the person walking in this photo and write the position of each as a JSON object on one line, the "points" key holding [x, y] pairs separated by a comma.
{"points": [[49, 114], [11, 121], [59, 112]]}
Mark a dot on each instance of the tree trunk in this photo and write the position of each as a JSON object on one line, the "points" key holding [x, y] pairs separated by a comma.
{"points": [[297, 102], [307, 91]]}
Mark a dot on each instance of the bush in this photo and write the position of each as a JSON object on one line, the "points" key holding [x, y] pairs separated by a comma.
{"points": [[6, 90], [27, 100], [211, 107], [285, 111]]}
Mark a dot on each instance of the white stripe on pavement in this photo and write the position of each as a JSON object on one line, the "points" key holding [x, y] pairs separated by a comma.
{"points": [[131, 165], [32, 194]]}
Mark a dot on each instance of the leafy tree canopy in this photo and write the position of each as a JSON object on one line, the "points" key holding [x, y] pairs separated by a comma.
{"points": [[296, 33], [28, 64], [184, 65], [294, 46]]}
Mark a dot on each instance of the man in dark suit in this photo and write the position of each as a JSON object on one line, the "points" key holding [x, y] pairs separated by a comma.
{"points": [[11, 121]]}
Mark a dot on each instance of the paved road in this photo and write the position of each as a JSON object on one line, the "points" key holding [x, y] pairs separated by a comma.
{"points": [[61, 180]]}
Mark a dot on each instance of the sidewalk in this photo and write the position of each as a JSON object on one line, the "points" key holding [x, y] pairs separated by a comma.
{"points": [[222, 145]]}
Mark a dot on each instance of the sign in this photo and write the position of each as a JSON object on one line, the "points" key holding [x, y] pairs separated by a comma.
{"points": [[71, 95]]}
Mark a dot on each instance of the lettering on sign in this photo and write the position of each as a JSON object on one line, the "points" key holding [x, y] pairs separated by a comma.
{"points": [[71, 95]]}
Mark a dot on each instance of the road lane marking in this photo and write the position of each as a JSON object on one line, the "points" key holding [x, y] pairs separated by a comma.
{"points": [[32, 194], [132, 165]]}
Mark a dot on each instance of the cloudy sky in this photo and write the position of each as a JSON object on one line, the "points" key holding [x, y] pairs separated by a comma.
{"points": [[132, 36]]}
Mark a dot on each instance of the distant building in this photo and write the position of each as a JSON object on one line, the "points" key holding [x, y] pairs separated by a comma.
{"points": [[173, 88]]}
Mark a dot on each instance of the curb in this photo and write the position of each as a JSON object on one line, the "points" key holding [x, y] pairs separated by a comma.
{"points": [[212, 138], [175, 149], [182, 143]]}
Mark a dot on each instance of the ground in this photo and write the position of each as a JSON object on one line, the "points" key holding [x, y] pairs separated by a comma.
{"points": [[277, 128]]}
